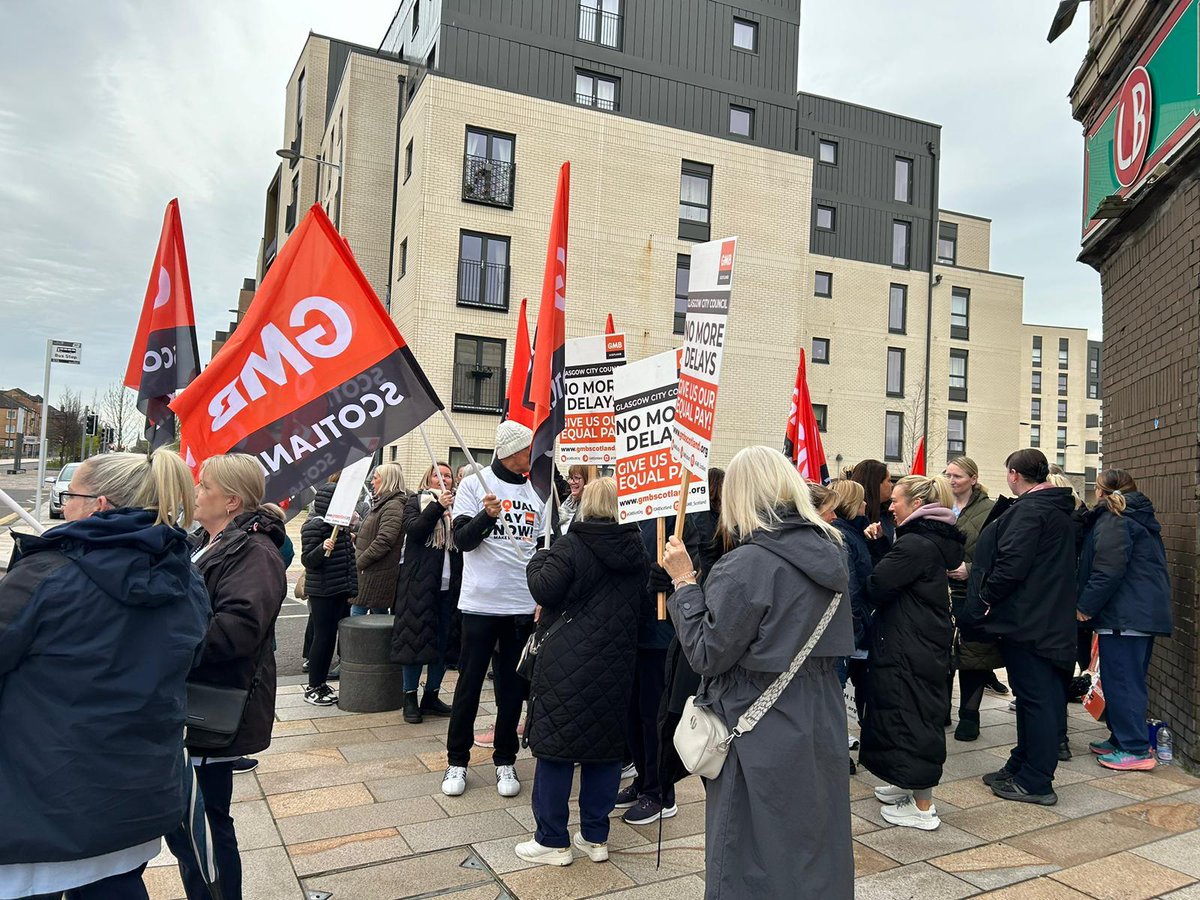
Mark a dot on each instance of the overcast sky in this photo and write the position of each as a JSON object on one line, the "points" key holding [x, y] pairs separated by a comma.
{"points": [[108, 110]]}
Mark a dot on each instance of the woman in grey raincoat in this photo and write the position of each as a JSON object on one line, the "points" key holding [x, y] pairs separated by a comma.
{"points": [[777, 823]]}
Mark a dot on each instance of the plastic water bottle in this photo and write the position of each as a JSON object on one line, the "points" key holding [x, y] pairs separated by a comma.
{"points": [[1166, 748]]}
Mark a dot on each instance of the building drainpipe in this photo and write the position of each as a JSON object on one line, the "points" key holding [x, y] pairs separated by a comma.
{"points": [[400, 85], [933, 226]]}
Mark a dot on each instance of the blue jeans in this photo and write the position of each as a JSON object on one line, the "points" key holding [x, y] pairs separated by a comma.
{"points": [[216, 785], [1124, 663], [356, 610], [598, 786], [437, 670]]}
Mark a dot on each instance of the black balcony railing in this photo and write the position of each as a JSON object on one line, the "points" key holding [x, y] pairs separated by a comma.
{"points": [[483, 284], [599, 27], [488, 181], [478, 388], [598, 102]]}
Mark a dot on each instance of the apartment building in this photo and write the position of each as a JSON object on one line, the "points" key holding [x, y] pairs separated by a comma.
{"points": [[1061, 370], [20, 415]]}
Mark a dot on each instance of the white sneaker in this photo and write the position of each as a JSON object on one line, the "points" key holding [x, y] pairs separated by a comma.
{"points": [[507, 785], [853, 742], [630, 771], [1012, 704], [532, 851], [891, 794], [906, 814], [595, 852], [454, 782]]}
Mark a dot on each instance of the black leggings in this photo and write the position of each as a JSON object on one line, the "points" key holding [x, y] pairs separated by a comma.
{"points": [[971, 683], [325, 615]]}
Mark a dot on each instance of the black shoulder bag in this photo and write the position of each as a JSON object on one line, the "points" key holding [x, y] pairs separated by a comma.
{"points": [[215, 712]]}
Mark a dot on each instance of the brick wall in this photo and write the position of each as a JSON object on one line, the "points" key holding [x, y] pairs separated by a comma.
{"points": [[1151, 396]]}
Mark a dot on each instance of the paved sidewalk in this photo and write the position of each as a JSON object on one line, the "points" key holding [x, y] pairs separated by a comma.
{"points": [[351, 804]]}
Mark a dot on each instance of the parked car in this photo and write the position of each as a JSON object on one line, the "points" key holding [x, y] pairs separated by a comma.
{"points": [[61, 483]]}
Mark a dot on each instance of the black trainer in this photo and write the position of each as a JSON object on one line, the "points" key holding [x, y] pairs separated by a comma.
{"points": [[648, 811], [1064, 751], [1010, 790], [1004, 774], [244, 764], [997, 687], [626, 797], [321, 695]]}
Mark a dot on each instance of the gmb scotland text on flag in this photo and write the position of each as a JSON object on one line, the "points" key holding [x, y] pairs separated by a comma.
{"points": [[316, 376]]}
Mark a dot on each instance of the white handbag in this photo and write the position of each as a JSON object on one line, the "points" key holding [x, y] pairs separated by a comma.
{"points": [[702, 739]]}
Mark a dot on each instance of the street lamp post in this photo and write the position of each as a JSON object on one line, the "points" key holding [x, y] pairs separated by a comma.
{"points": [[292, 155]]}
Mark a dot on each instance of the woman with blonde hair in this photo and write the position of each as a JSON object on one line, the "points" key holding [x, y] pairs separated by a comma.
{"points": [[778, 814], [903, 735], [590, 585], [380, 542], [238, 556], [100, 620]]}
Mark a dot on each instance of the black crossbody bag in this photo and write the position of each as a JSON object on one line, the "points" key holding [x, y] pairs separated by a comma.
{"points": [[215, 712]]}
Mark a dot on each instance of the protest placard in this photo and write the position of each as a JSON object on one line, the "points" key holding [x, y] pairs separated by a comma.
{"points": [[709, 287], [587, 437], [648, 478], [347, 492]]}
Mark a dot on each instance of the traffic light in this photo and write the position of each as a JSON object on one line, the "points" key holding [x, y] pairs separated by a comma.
{"points": [[92, 423]]}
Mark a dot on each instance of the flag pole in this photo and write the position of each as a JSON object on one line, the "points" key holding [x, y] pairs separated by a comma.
{"points": [[20, 511], [478, 470], [436, 465]]}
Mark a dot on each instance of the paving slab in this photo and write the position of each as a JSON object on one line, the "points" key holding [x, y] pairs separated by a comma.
{"points": [[908, 882], [1002, 818], [1036, 889], [348, 851], [461, 830], [411, 877], [1181, 853], [1077, 841], [1123, 876], [681, 856], [357, 819]]}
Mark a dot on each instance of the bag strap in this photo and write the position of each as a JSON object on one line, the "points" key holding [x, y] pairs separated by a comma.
{"points": [[759, 707]]}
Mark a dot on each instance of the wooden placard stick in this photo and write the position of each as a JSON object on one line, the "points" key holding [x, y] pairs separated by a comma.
{"points": [[661, 525], [332, 537]]}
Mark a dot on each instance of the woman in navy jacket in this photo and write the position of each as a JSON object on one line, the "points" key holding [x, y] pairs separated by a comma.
{"points": [[100, 621], [1125, 594]]}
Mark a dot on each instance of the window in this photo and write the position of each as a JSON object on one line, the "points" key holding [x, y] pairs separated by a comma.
{"points": [[596, 90], [478, 374], [1062, 439], [695, 184], [956, 434], [1093, 420], [821, 414], [895, 372], [416, 17], [1037, 382], [1037, 351], [482, 456], [820, 350], [1035, 435], [483, 270], [299, 118], [898, 309], [489, 172], [403, 258], [828, 152], [600, 22], [1091, 447], [1062, 384], [741, 120], [823, 284], [900, 234], [431, 59], [1035, 409], [947, 245], [1064, 348], [893, 431], [1093, 390], [1061, 458], [960, 313], [826, 219], [290, 217], [408, 161], [958, 375], [683, 272], [1062, 410], [745, 35], [903, 180]]}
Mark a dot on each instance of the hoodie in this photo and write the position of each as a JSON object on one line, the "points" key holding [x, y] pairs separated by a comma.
{"points": [[1123, 582], [101, 620]]}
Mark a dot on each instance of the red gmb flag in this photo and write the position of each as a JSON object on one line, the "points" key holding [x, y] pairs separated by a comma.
{"points": [[802, 440], [515, 407], [609, 327], [316, 376], [549, 352], [918, 463], [165, 357]]}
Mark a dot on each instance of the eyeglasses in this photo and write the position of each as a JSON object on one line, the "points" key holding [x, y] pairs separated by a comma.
{"points": [[574, 478], [68, 494]]}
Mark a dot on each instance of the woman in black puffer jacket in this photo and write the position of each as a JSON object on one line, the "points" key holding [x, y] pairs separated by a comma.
{"points": [[329, 583], [593, 581], [903, 736]]}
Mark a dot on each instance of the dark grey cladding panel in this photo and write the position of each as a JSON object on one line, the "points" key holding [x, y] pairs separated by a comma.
{"points": [[676, 63], [861, 187]]}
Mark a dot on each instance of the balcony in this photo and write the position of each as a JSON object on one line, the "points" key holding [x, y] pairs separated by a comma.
{"points": [[478, 388], [488, 181], [599, 27], [597, 102], [483, 285]]}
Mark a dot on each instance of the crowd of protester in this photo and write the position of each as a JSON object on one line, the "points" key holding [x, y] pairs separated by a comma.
{"points": [[890, 585]]}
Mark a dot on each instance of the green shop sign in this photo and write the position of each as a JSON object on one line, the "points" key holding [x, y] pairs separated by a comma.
{"points": [[1150, 116]]}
